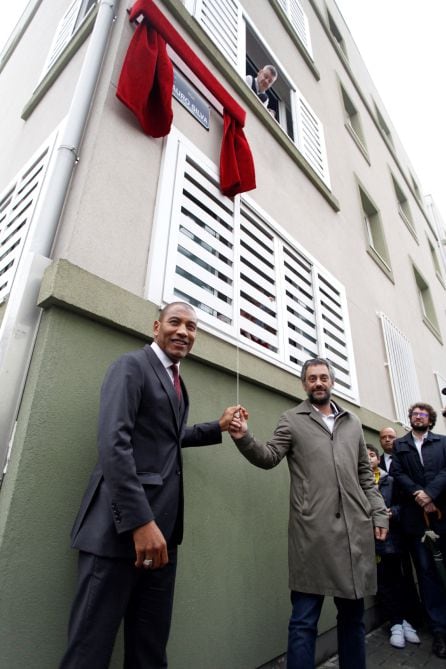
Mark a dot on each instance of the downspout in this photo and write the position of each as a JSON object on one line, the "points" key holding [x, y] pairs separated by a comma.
{"points": [[21, 319]]}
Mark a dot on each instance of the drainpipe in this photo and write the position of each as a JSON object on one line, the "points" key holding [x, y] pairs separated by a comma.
{"points": [[21, 319]]}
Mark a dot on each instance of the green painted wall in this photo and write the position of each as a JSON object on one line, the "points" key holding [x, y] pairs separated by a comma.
{"points": [[231, 603]]}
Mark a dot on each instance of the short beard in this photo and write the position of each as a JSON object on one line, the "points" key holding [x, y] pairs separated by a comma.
{"points": [[420, 430], [319, 401]]}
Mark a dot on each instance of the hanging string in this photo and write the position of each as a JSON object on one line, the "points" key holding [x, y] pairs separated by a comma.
{"points": [[237, 373]]}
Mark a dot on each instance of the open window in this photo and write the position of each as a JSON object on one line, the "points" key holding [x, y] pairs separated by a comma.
{"points": [[242, 45], [257, 56]]}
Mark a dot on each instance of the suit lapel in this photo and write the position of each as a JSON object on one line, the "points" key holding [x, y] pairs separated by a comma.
{"points": [[167, 385]]}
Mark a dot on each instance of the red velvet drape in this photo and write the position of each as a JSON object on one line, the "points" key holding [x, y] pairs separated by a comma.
{"points": [[145, 87]]}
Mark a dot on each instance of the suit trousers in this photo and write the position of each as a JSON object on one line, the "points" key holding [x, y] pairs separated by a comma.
{"points": [[112, 590]]}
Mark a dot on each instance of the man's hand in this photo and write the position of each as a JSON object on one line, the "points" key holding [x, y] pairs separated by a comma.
{"points": [[239, 425], [228, 415], [422, 498], [430, 508], [150, 545], [381, 533]]}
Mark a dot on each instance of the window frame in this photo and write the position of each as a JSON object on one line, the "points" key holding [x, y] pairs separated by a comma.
{"points": [[435, 261], [426, 302], [352, 122], [338, 39], [382, 124], [403, 207], [374, 231]]}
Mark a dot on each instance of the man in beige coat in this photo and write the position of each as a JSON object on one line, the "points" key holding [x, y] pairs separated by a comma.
{"points": [[335, 514]]}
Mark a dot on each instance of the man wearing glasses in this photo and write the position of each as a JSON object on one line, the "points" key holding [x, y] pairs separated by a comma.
{"points": [[419, 468]]}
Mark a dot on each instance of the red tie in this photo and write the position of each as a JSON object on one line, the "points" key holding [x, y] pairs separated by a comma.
{"points": [[176, 381]]}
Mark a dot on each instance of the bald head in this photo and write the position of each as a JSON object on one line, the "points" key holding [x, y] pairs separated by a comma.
{"points": [[386, 438]]}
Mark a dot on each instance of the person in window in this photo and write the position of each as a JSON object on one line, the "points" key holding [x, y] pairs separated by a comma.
{"points": [[262, 82]]}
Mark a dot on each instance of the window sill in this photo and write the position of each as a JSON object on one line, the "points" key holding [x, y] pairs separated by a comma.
{"points": [[67, 54], [384, 267]]}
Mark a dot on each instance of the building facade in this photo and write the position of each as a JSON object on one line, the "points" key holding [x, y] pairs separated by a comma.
{"points": [[335, 253]]}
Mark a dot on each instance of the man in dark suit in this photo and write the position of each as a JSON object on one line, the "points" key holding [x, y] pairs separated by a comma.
{"points": [[419, 468], [386, 438], [412, 605], [131, 517]]}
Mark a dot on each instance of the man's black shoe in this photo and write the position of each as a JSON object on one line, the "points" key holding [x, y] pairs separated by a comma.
{"points": [[439, 645]]}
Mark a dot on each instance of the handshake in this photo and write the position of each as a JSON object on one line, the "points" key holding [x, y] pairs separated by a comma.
{"points": [[234, 420]]}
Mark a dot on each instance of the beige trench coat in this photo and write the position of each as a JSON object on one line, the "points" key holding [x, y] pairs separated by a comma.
{"points": [[333, 501]]}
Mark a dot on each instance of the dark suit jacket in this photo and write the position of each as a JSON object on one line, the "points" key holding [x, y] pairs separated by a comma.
{"points": [[411, 475], [142, 427], [382, 464]]}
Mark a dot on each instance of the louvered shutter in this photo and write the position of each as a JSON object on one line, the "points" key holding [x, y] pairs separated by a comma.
{"points": [[298, 19], [17, 206], [333, 335], [258, 323], [62, 36], [201, 257], [299, 311], [222, 21], [311, 140], [401, 365]]}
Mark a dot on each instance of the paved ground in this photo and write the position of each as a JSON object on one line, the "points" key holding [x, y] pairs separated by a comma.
{"points": [[381, 654]]}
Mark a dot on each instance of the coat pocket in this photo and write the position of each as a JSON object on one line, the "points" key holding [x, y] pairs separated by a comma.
{"points": [[149, 478]]}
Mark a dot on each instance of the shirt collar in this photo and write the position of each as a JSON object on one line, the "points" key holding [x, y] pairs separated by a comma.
{"points": [[420, 438], [333, 414], [163, 357]]}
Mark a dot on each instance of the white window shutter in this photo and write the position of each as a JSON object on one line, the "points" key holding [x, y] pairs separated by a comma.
{"points": [[249, 282], [222, 21], [258, 320], [299, 307], [299, 20], [402, 370], [201, 253], [62, 36], [17, 205], [334, 338], [311, 140]]}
